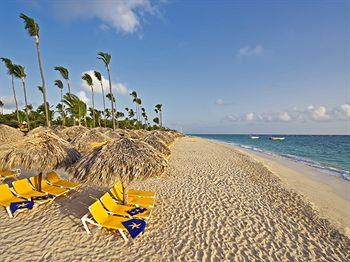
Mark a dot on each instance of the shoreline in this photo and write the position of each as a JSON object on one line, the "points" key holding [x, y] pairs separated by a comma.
{"points": [[328, 194]]}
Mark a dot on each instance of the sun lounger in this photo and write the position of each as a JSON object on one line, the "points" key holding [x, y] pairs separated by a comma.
{"points": [[7, 199], [5, 174], [24, 189], [102, 219], [55, 180], [122, 210], [46, 188], [132, 200], [135, 193]]}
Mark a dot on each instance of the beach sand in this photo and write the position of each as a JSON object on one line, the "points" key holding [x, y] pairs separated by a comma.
{"points": [[213, 203]]}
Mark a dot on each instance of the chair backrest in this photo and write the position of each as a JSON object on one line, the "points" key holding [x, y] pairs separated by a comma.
{"points": [[5, 192], [117, 191], [108, 202], [98, 212], [22, 186], [52, 177]]}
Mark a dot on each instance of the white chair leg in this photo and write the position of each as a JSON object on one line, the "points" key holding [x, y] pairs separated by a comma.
{"points": [[9, 212], [83, 220], [123, 235]]}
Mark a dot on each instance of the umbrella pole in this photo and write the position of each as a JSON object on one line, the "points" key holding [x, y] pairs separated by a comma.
{"points": [[40, 178]]}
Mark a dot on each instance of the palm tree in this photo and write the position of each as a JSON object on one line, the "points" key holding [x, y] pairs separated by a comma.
{"points": [[2, 107], [33, 30], [9, 66], [138, 102], [65, 75], [76, 107], [106, 58], [89, 82], [59, 84], [144, 114], [156, 120], [99, 78], [158, 110], [19, 73]]}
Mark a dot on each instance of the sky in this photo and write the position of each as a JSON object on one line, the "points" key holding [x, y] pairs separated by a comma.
{"points": [[273, 67]]}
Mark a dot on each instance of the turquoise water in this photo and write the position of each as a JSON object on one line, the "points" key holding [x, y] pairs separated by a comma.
{"points": [[328, 153]]}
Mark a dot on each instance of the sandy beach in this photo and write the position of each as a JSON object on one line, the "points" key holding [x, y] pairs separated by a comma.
{"points": [[213, 203]]}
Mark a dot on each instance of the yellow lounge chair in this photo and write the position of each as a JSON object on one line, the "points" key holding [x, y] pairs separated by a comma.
{"points": [[55, 180], [24, 189], [46, 188], [121, 210], [135, 193], [132, 200], [103, 219], [7, 197], [4, 174]]}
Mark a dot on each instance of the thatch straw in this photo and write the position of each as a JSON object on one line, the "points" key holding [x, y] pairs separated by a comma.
{"points": [[44, 152], [112, 134], [83, 143], [157, 144], [73, 131], [142, 133], [163, 135], [124, 159], [9, 134], [46, 130], [132, 134]]}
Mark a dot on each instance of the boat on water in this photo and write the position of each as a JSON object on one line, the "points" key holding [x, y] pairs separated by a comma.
{"points": [[254, 137], [277, 138]]}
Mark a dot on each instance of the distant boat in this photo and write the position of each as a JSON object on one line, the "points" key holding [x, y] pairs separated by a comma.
{"points": [[254, 137], [277, 138]]}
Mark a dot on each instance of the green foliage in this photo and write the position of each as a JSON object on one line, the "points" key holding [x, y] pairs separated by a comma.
{"points": [[87, 79], [59, 84], [18, 71], [30, 25], [105, 57], [63, 71], [98, 75], [9, 65]]}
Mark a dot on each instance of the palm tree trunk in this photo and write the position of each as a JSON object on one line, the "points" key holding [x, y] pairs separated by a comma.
{"points": [[68, 85], [104, 104], [110, 91], [93, 107], [26, 102], [15, 98], [63, 114], [42, 81]]}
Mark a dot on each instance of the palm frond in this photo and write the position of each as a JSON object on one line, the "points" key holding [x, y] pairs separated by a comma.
{"points": [[59, 84], [30, 25], [9, 65], [105, 57], [63, 71], [98, 75], [18, 71], [87, 79]]}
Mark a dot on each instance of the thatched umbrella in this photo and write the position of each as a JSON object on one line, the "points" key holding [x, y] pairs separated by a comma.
{"points": [[73, 131], [142, 133], [46, 130], [157, 144], [124, 159], [84, 143], [132, 134], [38, 153], [112, 134], [9, 134], [168, 139]]}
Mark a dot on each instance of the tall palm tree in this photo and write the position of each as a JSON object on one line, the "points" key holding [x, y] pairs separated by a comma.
{"points": [[59, 84], [2, 107], [19, 73], [89, 82], [134, 100], [65, 75], [33, 30], [138, 103], [106, 58], [99, 78], [144, 115], [158, 109], [9, 66]]}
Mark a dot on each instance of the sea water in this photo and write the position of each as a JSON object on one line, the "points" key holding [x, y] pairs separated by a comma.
{"points": [[330, 153]]}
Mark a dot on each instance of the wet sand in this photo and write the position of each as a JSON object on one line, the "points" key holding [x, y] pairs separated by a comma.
{"points": [[214, 203]]}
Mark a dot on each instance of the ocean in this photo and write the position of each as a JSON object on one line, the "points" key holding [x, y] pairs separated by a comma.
{"points": [[330, 153]]}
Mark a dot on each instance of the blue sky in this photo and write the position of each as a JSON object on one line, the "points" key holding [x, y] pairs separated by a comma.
{"points": [[216, 66]]}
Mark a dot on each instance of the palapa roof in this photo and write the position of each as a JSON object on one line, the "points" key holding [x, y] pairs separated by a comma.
{"points": [[124, 159], [9, 134], [38, 152], [46, 130], [163, 135], [112, 134], [83, 141], [157, 144], [73, 131]]}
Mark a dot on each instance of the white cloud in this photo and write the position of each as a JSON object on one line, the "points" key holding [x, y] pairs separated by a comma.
{"points": [[250, 51], [221, 102], [82, 95], [310, 113], [9, 102], [122, 15], [116, 87]]}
